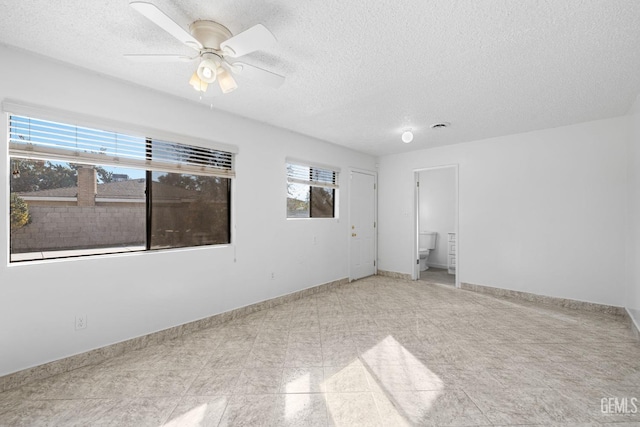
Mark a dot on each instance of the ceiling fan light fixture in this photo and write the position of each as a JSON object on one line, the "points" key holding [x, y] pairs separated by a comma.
{"points": [[407, 136], [197, 83], [207, 70], [226, 81]]}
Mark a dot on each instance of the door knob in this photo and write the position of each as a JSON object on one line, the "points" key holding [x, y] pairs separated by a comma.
{"points": [[353, 234]]}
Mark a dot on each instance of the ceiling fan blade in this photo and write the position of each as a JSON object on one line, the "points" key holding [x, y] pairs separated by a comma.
{"points": [[158, 17], [255, 38], [143, 57], [256, 74]]}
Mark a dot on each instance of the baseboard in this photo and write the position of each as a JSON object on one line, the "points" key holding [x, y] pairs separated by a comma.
{"points": [[561, 302], [99, 355], [394, 275]]}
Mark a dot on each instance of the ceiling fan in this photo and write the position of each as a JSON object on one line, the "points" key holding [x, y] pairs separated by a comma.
{"points": [[216, 46]]}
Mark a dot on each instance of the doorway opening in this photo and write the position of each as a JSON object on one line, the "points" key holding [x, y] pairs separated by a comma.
{"points": [[436, 238]]}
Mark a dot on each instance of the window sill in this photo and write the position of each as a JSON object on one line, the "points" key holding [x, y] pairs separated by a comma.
{"points": [[47, 257]]}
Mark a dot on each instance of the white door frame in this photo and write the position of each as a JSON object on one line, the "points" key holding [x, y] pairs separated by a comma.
{"points": [[375, 218], [415, 275]]}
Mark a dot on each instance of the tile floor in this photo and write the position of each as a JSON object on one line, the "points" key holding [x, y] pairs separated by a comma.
{"points": [[377, 352], [439, 276]]}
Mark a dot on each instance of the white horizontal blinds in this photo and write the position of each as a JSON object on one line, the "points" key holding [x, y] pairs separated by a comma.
{"points": [[58, 141], [312, 175], [49, 140], [191, 156]]}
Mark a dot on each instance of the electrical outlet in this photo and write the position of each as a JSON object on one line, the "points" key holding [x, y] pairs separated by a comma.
{"points": [[273, 276], [81, 322]]}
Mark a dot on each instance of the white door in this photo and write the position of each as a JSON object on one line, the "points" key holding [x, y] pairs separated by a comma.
{"points": [[362, 227]]}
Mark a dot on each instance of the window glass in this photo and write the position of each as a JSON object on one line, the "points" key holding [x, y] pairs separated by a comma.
{"points": [[60, 209], [321, 202], [298, 200], [189, 210]]}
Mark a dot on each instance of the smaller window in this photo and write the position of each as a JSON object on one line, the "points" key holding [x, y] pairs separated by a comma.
{"points": [[311, 191]]}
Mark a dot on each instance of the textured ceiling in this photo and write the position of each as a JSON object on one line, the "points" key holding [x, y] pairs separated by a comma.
{"points": [[358, 72]]}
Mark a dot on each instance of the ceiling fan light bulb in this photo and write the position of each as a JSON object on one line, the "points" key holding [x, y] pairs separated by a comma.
{"points": [[226, 81], [207, 71], [198, 84], [407, 136]]}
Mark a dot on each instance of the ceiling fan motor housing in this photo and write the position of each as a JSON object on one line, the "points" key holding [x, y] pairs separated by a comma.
{"points": [[210, 33]]}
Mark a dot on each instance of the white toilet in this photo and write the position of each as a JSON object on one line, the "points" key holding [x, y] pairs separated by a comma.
{"points": [[426, 243]]}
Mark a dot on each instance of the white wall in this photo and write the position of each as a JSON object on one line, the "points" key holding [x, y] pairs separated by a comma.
{"points": [[131, 295], [438, 209], [633, 234], [541, 212]]}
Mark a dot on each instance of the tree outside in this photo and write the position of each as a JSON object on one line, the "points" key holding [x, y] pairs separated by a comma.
{"points": [[36, 175], [18, 212]]}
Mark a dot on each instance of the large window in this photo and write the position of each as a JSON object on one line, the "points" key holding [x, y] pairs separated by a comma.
{"points": [[82, 191], [311, 191]]}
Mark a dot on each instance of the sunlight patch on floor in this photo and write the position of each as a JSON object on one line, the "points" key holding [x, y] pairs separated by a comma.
{"points": [[194, 417], [296, 403], [393, 375]]}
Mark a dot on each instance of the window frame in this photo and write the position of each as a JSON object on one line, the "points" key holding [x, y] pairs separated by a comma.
{"points": [[12, 108]]}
